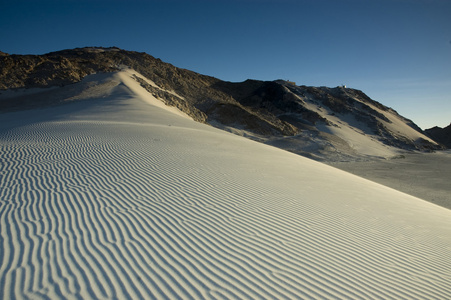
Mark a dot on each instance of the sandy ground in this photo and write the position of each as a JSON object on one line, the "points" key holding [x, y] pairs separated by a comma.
{"points": [[424, 175], [118, 198]]}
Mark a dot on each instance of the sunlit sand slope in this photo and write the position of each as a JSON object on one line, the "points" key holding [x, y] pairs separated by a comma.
{"points": [[115, 198]]}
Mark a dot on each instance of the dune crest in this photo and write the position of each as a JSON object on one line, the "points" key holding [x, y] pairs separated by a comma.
{"points": [[116, 197]]}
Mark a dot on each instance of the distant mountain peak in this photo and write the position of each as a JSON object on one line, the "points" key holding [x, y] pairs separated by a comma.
{"points": [[320, 122], [441, 135]]}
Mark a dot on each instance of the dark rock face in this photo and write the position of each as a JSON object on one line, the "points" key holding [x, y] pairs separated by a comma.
{"points": [[70, 66], [299, 106], [441, 135], [266, 108]]}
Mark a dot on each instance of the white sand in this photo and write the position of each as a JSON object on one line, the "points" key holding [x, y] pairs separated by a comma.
{"points": [[347, 137], [115, 198], [423, 175]]}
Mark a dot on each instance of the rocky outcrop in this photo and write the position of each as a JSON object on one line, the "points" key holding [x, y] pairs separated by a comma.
{"points": [[199, 95], [440, 135], [264, 108]]}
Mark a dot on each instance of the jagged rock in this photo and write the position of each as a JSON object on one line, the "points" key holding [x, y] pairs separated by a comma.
{"points": [[70, 66], [441, 135], [267, 109]]}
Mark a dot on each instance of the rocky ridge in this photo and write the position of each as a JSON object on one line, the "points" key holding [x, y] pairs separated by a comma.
{"points": [[296, 118], [441, 135]]}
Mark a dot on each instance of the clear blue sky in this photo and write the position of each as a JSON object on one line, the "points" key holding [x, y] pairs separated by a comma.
{"points": [[396, 51]]}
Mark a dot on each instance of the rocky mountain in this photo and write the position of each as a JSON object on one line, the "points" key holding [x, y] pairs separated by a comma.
{"points": [[319, 122], [441, 135]]}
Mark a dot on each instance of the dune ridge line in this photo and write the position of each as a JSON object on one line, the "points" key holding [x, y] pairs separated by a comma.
{"points": [[116, 198]]}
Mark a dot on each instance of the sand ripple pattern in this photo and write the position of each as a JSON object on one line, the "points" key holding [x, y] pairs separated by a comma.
{"points": [[111, 210]]}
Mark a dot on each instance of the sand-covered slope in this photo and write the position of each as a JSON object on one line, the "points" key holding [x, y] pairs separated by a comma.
{"points": [[117, 198], [323, 123]]}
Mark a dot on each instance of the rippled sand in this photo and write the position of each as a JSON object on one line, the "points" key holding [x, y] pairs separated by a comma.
{"points": [[114, 198]]}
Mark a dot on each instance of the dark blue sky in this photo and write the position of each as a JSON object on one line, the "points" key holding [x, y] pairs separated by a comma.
{"points": [[397, 51]]}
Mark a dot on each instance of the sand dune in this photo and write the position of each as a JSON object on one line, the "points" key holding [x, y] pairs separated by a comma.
{"points": [[423, 175], [116, 198]]}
